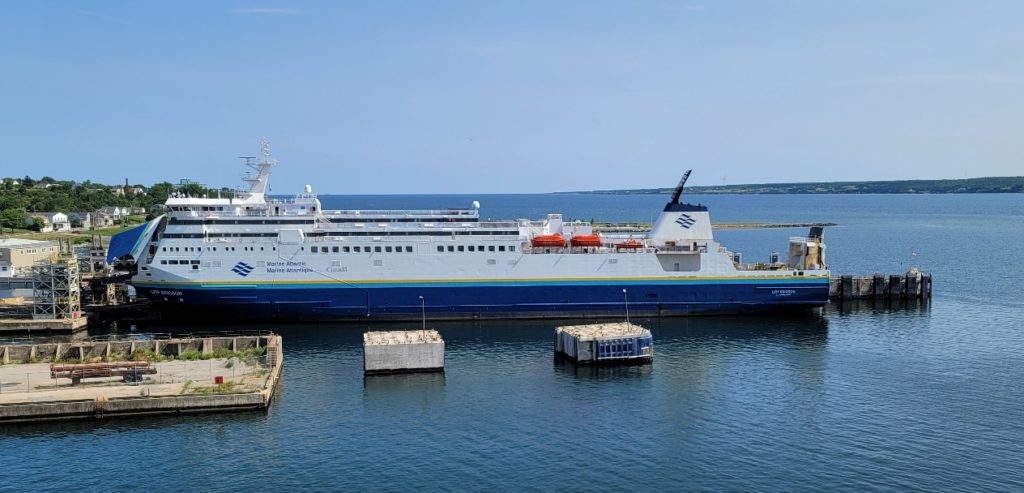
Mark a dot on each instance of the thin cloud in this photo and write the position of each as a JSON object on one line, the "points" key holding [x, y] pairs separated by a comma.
{"points": [[270, 11]]}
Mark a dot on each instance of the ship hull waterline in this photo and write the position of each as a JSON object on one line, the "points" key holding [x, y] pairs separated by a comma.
{"points": [[302, 302]]}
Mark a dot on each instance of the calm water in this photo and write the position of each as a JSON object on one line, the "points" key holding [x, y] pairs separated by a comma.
{"points": [[871, 398]]}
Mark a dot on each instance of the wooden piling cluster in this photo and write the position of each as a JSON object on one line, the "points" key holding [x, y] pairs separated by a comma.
{"points": [[908, 286]]}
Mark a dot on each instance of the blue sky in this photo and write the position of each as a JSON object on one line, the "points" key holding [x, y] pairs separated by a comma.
{"points": [[518, 96]]}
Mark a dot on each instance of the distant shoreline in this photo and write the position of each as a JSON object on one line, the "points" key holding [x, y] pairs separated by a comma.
{"points": [[1001, 184]]}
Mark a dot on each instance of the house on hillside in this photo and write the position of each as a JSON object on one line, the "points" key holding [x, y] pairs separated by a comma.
{"points": [[52, 221], [83, 217], [105, 217]]}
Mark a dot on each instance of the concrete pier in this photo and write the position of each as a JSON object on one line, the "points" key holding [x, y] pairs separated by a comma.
{"points": [[402, 352], [610, 343], [55, 326], [244, 380], [912, 285]]}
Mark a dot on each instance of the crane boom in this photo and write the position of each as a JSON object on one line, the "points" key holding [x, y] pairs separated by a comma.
{"points": [[679, 187]]}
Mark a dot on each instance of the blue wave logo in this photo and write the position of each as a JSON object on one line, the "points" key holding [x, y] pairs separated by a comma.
{"points": [[685, 221], [243, 269]]}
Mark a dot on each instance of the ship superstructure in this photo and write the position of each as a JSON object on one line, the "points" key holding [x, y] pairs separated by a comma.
{"points": [[255, 257]]}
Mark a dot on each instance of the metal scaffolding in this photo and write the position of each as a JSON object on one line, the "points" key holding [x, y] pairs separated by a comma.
{"points": [[56, 286]]}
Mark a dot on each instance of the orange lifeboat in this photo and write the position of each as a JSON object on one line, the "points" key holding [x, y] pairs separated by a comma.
{"points": [[629, 244], [585, 241], [548, 241]]}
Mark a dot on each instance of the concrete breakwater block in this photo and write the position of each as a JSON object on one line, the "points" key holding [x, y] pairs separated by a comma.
{"points": [[611, 343], [402, 351]]}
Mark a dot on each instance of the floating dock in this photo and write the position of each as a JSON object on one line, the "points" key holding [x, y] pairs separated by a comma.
{"points": [[610, 343], [88, 380], [403, 351], [911, 285]]}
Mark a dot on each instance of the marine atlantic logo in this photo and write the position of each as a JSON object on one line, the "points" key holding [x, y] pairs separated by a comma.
{"points": [[243, 269], [685, 221]]}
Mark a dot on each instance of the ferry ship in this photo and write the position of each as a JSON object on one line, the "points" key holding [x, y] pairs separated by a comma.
{"points": [[255, 257]]}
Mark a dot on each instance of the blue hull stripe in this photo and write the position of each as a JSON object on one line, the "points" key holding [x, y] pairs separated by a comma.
{"points": [[769, 283], [485, 300]]}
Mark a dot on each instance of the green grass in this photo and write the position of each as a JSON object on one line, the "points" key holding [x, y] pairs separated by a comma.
{"points": [[231, 387], [249, 355]]}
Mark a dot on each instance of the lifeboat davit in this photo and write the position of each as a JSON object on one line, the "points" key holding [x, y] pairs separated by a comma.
{"points": [[548, 241], [629, 244], [585, 241]]}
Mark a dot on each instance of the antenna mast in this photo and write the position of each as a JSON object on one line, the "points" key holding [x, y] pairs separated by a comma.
{"points": [[258, 182]]}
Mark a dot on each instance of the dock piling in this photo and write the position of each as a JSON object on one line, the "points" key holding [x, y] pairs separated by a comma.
{"points": [[602, 344], [846, 288], [402, 351], [911, 285]]}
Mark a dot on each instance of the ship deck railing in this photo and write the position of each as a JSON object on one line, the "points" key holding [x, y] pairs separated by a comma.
{"points": [[585, 250], [401, 212], [160, 336]]}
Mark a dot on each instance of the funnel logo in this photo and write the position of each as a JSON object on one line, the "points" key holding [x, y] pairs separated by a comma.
{"points": [[685, 221], [243, 269]]}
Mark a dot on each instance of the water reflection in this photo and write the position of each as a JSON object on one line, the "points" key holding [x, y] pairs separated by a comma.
{"points": [[399, 389], [875, 306], [131, 424], [602, 373]]}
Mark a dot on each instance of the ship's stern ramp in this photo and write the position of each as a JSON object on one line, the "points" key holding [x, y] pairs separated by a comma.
{"points": [[127, 247]]}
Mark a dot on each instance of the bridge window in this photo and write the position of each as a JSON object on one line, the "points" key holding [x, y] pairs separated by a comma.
{"points": [[472, 248], [490, 248], [333, 249], [462, 248], [376, 249], [346, 249], [440, 248], [451, 248], [501, 248], [386, 249], [408, 249]]}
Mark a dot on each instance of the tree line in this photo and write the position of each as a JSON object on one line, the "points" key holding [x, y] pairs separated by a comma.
{"points": [[21, 196]]}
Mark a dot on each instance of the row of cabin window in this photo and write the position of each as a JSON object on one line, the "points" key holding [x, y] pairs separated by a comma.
{"points": [[195, 208], [181, 262], [355, 249], [474, 248], [211, 249]]}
